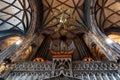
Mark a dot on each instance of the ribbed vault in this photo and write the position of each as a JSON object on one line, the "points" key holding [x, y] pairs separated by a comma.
{"points": [[15, 14], [107, 15], [51, 12]]}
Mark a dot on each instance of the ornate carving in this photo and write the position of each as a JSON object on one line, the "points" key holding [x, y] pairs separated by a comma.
{"points": [[80, 70]]}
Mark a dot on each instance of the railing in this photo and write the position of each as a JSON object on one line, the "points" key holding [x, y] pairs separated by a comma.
{"points": [[95, 66], [33, 66], [95, 70]]}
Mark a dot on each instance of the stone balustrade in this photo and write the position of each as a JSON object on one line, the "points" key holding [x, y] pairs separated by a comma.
{"points": [[94, 65], [33, 66], [81, 70]]}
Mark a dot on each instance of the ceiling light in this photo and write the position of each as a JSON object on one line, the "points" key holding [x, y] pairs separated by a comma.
{"points": [[109, 41], [66, 20], [18, 42]]}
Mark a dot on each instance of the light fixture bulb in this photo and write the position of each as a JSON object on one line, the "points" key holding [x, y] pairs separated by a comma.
{"points": [[18, 42], [65, 20], [109, 41]]}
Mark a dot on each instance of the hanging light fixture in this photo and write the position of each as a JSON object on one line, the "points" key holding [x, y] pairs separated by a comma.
{"points": [[65, 20]]}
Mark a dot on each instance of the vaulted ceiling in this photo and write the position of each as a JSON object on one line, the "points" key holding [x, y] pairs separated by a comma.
{"points": [[107, 15], [52, 13], [52, 6], [15, 15], [106, 12]]}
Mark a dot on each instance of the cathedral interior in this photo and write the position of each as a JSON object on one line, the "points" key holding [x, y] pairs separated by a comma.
{"points": [[59, 39]]}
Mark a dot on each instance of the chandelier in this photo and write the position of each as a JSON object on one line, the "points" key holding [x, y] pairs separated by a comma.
{"points": [[64, 19]]}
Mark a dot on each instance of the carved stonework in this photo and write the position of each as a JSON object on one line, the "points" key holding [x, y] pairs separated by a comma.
{"points": [[79, 70]]}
